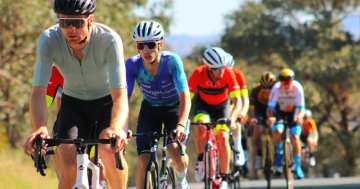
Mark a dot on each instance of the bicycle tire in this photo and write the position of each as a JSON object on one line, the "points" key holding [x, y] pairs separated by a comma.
{"points": [[267, 167], [151, 177], [208, 171], [170, 173], [289, 177]]}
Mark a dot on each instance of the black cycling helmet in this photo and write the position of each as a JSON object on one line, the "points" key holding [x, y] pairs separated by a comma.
{"points": [[74, 7], [286, 74], [267, 80]]}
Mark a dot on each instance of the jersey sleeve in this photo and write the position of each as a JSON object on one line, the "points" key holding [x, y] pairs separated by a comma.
{"points": [[242, 83], [130, 76], [177, 70], [300, 99], [44, 60], [313, 124], [115, 63], [56, 81], [193, 83], [273, 98], [234, 89]]}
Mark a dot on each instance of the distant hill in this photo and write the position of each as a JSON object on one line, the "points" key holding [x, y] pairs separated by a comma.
{"points": [[183, 44]]}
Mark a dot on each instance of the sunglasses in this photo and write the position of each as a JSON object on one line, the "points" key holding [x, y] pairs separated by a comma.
{"points": [[151, 45], [75, 22], [217, 69], [284, 83]]}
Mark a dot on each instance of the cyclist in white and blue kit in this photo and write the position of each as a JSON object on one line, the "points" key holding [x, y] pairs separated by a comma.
{"points": [[166, 97]]}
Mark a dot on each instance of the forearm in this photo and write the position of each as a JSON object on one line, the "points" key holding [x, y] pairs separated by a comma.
{"points": [[251, 113], [245, 105], [185, 106], [237, 108], [120, 112], [269, 113], [38, 109], [301, 113], [316, 136]]}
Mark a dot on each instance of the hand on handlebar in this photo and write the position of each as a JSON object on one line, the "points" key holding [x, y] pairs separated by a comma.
{"points": [[253, 121], [271, 121], [29, 146], [180, 133], [232, 124], [121, 139]]}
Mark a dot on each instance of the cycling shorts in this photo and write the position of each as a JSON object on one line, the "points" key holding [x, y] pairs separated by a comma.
{"points": [[304, 138], [279, 124], [207, 112], [261, 117], [76, 117], [54, 131], [151, 118]]}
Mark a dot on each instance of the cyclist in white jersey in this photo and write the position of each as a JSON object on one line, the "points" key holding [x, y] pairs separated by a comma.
{"points": [[287, 100], [90, 58]]}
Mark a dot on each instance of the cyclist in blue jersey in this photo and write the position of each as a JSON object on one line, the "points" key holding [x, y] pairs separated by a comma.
{"points": [[166, 98], [90, 57]]}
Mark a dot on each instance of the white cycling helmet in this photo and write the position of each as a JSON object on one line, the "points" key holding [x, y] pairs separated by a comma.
{"points": [[147, 31], [308, 113], [215, 57], [229, 59]]}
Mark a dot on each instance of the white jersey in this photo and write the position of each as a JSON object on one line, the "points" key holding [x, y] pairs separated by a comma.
{"points": [[287, 101]]}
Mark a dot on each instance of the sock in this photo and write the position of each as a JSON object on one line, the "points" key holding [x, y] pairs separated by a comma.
{"points": [[279, 149], [246, 154], [297, 159], [237, 143], [224, 176], [180, 177], [201, 157]]}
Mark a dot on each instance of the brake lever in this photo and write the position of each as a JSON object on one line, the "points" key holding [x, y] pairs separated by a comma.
{"points": [[117, 154], [180, 147]]}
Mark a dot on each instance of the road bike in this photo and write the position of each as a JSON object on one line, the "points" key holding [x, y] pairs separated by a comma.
{"points": [[212, 177], [153, 177], [83, 181], [269, 154], [288, 158]]}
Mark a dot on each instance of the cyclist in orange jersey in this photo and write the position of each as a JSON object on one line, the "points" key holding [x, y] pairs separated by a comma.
{"points": [[216, 82], [309, 134], [240, 144]]}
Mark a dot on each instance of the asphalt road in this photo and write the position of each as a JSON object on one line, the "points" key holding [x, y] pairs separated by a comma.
{"points": [[314, 183]]}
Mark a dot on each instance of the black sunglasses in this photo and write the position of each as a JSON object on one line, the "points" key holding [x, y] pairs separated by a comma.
{"points": [[217, 69], [151, 45], [75, 22]]}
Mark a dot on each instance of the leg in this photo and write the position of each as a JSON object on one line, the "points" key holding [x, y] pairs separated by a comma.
{"points": [[140, 174], [277, 130], [67, 166], [240, 159], [224, 150], [295, 132], [311, 143], [200, 140], [258, 130]]}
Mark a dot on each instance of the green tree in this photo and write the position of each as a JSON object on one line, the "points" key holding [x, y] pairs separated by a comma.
{"points": [[323, 55]]}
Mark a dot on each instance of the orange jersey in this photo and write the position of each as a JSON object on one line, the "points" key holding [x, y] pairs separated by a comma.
{"points": [[214, 94], [240, 78], [308, 127]]}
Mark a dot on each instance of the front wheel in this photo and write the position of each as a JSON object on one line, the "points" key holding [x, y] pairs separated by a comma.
{"points": [[268, 165], [170, 173], [235, 173], [208, 172], [151, 177], [288, 163]]}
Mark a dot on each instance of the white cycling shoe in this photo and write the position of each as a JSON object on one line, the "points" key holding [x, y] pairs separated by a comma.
{"points": [[224, 185], [199, 171], [239, 159], [183, 185], [104, 184], [312, 161]]}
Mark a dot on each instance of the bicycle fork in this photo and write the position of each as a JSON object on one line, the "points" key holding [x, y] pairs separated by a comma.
{"points": [[84, 163]]}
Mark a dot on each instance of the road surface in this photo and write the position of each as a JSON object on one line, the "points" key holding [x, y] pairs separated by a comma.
{"points": [[313, 183]]}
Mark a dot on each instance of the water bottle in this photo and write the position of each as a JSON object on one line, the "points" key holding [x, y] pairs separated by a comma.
{"points": [[163, 181]]}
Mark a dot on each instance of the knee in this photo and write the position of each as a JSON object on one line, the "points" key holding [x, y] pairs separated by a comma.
{"points": [[143, 161], [223, 138], [201, 130], [295, 138], [276, 134], [66, 158]]}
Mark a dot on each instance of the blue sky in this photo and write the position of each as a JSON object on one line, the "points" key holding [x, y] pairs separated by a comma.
{"points": [[206, 17]]}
